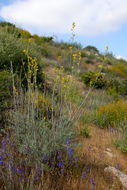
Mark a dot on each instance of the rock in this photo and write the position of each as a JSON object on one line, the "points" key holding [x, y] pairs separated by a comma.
{"points": [[118, 174], [108, 150], [109, 154], [83, 93]]}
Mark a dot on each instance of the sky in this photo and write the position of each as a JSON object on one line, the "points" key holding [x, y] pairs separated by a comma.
{"points": [[98, 22]]}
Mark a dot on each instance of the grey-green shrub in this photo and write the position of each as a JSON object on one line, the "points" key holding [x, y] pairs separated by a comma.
{"points": [[38, 137]]}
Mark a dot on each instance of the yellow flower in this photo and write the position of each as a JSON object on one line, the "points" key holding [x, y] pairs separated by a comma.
{"points": [[14, 88], [24, 51], [74, 55], [29, 40], [107, 48]]}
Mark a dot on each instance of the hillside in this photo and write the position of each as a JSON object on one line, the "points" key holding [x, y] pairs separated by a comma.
{"points": [[63, 114]]}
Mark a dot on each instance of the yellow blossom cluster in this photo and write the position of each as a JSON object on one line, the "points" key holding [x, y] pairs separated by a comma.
{"points": [[77, 58]]}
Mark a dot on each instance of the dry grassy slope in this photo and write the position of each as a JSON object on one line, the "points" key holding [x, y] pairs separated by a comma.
{"points": [[97, 151], [99, 144]]}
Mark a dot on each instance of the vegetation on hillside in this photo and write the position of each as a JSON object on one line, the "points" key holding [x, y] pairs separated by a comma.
{"points": [[54, 96]]}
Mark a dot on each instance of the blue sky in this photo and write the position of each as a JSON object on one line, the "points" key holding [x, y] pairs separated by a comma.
{"points": [[98, 22]]}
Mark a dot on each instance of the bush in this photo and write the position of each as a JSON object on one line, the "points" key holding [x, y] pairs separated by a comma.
{"points": [[85, 131], [66, 45], [5, 94], [119, 87], [37, 135], [113, 114], [41, 39], [24, 34], [115, 88], [91, 49], [112, 91], [14, 51], [121, 144], [83, 54], [40, 127], [5, 89], [119, 70], [124, 87], [94, 79], [10, 28]]}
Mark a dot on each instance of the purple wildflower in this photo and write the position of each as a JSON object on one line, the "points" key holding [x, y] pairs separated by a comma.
{"points": [[38, 170], [59, 156], [38, 174], [20, 171], [92, 182], [36, 178], [11, 166], [75, 158], [1, 162], [4, 145], [83, 175], [70, 152], [68, 141], [60, 164], [45, 159]]}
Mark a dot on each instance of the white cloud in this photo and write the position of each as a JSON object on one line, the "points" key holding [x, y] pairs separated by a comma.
{"points": [[121, 57], [93, 17]]}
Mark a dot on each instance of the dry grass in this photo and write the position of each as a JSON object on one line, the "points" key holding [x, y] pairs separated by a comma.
{"points": [[93, 154]]}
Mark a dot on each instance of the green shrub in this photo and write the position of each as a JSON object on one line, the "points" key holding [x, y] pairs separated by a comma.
{"points": [[5, 94], [5, 89], [91, 49], [12, 50], [114, 114], [66, 45], [113, 92], [88, 61], [83, 54], [119, 69], [85, 132], [117, 86], [114, 88], [124, 87], [114, 83], [10, 28], [24, 34], [41, 39], [94, 79], [121, 144], [14, 53]]}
